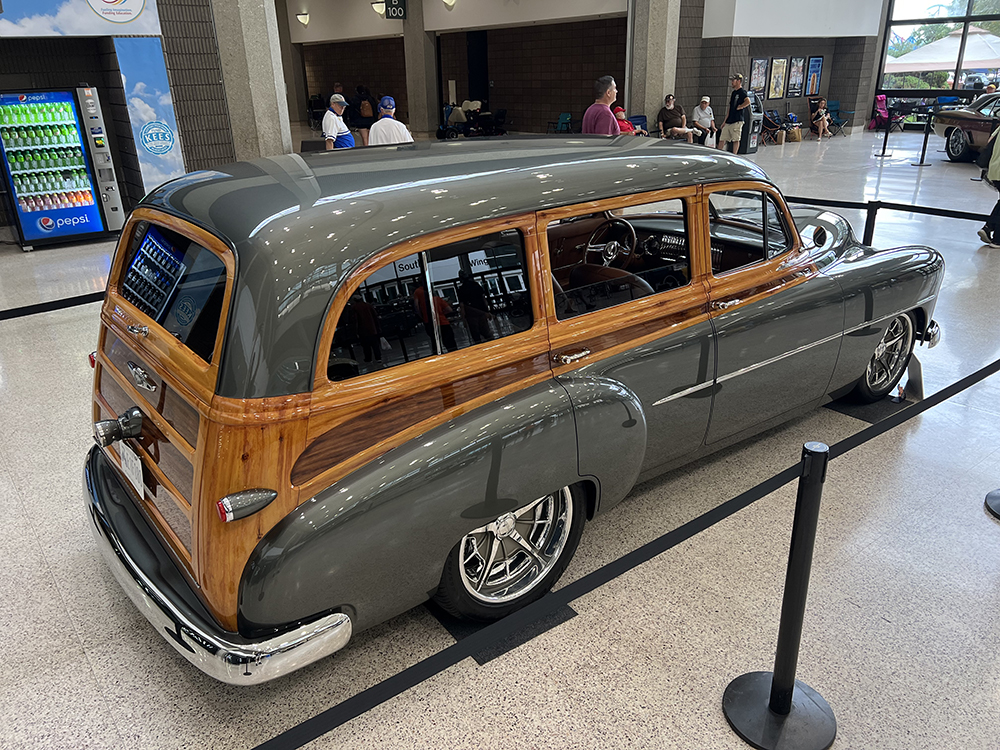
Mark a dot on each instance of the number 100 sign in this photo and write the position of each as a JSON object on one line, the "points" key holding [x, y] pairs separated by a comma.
{"points": [[395, 8]]}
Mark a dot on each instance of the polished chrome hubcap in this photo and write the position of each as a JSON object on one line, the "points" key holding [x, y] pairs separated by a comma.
{"points": [[890, 354], [956, 141], [507, 558]]}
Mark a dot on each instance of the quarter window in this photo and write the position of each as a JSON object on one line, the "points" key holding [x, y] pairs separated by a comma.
{"points": [[746, 228], [391, 320], [610, 258]]}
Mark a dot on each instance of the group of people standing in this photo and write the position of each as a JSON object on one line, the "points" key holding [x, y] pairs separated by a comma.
{"points": [[671, 120], [361, 112]]}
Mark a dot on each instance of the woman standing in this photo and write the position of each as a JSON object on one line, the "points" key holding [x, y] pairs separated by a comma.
{"points": [[363, 109], [991, 176]]}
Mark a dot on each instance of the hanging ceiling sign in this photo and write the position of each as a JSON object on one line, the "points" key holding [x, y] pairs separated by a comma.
{"points": [[395, 9]]}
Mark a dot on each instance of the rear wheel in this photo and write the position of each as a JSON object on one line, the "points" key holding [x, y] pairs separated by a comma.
{"points": [[957, 145], [889, 361], [502, 566]]}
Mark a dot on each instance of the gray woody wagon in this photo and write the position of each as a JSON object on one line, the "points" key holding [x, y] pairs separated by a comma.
{"points": [[331, 387]]}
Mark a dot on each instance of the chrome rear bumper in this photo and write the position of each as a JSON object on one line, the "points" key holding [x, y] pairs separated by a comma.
{"points": [[226, 656]]}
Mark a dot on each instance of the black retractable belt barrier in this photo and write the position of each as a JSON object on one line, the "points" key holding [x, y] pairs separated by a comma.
{"points": [[774, 711], [923, 150]]}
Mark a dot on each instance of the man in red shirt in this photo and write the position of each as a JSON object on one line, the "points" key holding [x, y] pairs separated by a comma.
{"points": [[598, 119]]}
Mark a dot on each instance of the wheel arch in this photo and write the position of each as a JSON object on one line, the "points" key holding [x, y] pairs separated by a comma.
{"points": [[375, 543]]}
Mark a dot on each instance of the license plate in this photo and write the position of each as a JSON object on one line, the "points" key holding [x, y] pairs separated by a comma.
{"points": [[132, 466]]}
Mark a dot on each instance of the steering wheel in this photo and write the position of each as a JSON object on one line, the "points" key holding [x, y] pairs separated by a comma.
{"points": [[619, 244]]}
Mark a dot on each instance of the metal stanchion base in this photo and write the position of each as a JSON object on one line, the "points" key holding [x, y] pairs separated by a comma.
{"points": [[921, 164], [810, 724], [993, 503], [886, 155]]}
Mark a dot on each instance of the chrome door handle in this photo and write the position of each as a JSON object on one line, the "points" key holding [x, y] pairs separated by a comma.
{"points": [[138, 330], [726, 305], [568, 359]]}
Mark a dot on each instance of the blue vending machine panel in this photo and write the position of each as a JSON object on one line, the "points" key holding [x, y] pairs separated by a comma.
{"points": [[47, 167]]}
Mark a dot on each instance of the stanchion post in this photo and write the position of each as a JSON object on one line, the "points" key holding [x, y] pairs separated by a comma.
{"points": [[885, 140], [793, 606], [923, 149], [872, 212], [773, 710]]}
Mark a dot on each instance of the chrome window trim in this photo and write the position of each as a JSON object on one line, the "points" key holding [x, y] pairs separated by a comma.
{"points": [[799, 350]]}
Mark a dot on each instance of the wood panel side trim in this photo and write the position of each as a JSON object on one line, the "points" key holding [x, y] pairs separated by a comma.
{"points": [[524, 223], [376, 426]]}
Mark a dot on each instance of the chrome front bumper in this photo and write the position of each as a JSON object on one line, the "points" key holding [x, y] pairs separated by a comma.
{"points": [[226, 656]]}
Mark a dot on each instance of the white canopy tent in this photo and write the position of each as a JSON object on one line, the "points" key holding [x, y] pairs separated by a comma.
{"points": [[982, 50]]}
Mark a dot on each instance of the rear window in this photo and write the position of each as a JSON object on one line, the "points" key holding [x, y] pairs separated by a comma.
{"points": [[179, 284]]}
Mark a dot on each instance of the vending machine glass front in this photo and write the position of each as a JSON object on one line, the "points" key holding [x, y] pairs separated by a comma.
{"points": [[48, 170]]}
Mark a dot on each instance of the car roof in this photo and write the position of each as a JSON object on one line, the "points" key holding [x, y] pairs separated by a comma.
{"points": [[301, 223]]}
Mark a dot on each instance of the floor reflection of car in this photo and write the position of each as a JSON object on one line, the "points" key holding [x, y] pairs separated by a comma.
{"points": [[966, 129], [330, 387]]}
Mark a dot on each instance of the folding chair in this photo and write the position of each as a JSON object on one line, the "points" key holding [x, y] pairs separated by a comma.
{"points": [[902, 111], [769, 130], [639, 122], [880, 113], [562, 125], [837, 122], [813, 107]]}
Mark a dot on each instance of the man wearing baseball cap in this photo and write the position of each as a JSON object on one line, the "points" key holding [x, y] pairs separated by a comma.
{"points": [[337, 134], [703, 120], [738, 101], [387, 129]]}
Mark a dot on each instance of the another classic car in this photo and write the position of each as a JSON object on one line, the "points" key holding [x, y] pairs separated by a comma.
{"points": [[966, 129], [331, 387]]}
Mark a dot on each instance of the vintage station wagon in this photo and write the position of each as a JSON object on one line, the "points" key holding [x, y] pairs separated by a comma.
{"points": [[331, 387]]}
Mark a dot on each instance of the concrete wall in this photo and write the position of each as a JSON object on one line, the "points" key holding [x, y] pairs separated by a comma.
{"points": [[791, 18], [342, 20]]}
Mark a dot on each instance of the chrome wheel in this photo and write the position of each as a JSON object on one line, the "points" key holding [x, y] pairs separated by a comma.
{"points": [[957, 145], [891, 356], [504, 560]]}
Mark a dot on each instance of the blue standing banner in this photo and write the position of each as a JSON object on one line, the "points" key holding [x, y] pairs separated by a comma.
{"points": [[150, 108]]}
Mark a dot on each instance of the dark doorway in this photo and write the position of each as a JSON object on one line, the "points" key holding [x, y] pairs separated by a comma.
{"points": [[479, 67]]}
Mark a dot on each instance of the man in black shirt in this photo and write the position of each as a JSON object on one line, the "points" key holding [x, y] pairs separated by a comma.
{"points": [[732, 130]]}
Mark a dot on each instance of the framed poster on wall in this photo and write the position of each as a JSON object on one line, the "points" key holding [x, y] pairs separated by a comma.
{"points": [[796, 74], [815, 74], [758, 76], [779, 73]]}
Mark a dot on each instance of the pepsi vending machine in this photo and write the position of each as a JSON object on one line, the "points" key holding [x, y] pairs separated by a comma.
{"points": [[57, 166]]}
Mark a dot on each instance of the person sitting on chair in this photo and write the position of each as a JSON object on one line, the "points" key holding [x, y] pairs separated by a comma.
{"points": [[704, 120], [672, 121], [821, 120], [625, 125]]}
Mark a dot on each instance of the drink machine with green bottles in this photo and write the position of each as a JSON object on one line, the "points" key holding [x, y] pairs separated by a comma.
{"points": [[57, 166]]}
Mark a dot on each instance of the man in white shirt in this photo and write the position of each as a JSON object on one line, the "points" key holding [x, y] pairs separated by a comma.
{"points": [[387, 129], [336, 133], [704, 120]]}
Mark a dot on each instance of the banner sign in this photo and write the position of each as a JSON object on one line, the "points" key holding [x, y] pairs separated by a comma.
{"points": [[150, 108], [34, 18]]}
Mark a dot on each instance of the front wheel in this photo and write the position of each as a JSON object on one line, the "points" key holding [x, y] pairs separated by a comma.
{"points": [[889, 361], [503, 566], [957, 145]]}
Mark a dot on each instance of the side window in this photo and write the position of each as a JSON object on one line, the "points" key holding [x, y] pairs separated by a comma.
{"points": [[479, 292], [607, 259], [746, 228]]}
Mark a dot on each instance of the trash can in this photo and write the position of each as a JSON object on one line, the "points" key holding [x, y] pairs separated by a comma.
{"points": [[753, 123]]}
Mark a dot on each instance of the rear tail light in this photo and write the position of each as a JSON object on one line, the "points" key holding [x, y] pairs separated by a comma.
{"points": [[243, 504], [93, 359]]}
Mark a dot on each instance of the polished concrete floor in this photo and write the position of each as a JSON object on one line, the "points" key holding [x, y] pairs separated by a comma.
{"points": [[904, 604]]}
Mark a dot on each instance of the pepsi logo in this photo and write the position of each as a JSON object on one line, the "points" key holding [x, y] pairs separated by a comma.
{"points": [[46, 224], [22, 98]]}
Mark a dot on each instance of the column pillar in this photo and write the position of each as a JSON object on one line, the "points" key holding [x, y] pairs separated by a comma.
{"points": [[291, 65], [420, 55], [654, 26], [250, 53]]}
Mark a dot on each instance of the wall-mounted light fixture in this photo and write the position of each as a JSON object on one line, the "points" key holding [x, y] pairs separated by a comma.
{"points": [[303, 18], [450, 3], [379, 7]]}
